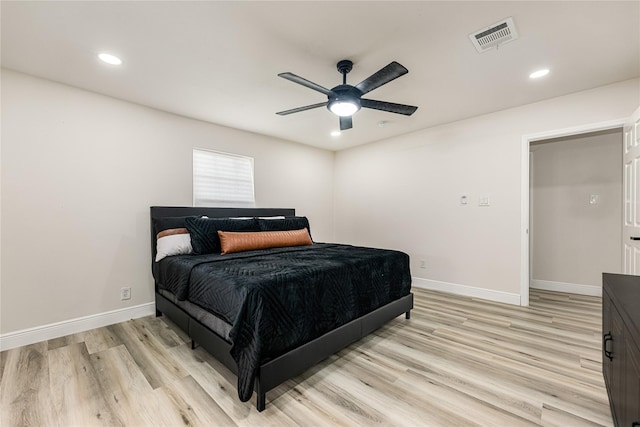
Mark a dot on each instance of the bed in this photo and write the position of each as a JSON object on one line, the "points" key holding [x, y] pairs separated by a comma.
{"points": [[269, 313]]}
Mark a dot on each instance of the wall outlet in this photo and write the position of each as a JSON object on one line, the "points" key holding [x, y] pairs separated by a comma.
{"points": [[423, 264], [125, 293]]}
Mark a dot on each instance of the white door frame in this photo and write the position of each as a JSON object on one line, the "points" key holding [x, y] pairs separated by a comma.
{"points": [[524, 191]]}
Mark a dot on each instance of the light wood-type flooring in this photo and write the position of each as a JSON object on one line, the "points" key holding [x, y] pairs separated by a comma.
{"points": [[457, 362]]}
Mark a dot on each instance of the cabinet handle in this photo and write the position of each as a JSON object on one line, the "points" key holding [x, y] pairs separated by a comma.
{"points": [[635, 424], [606, 339], [635, 238]]}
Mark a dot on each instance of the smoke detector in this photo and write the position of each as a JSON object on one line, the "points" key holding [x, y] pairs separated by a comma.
{"points": [[494, 35]]}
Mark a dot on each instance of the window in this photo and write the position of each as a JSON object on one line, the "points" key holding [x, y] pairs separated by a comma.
{"points": [[221, 179]]}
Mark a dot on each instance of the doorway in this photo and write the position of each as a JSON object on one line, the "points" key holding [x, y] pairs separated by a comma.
{"points": [[575, 211], [527, 140]]}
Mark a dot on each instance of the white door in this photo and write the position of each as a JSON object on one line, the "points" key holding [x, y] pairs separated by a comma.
{"points": [[631, 199]]}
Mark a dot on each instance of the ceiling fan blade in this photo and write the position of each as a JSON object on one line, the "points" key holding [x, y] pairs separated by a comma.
{"points": [[407, 110], [304, 82], [381, 77], [346, 122], [305, 108]]}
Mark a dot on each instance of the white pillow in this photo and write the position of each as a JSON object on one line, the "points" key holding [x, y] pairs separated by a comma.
{"points": [[175, 241]]}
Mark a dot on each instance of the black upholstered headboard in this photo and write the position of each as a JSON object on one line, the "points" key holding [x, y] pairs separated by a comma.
{"points": [[171, 211], [178, 211]]}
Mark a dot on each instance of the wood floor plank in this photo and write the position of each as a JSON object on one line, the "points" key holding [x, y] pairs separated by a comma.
{"points": [[457, 361], [65, 340], [347, 405], [522, 381], [458, 374], [520, 373], [24, 390], [304, 411], [158, 328], [533, 355], [403, 401], [175, 328], [76, 396], [3, 362], [194, 405], [476, 411], [220, 384], [100, 339], [125, 388], [149, 353], [554, 417], [481, 390]]}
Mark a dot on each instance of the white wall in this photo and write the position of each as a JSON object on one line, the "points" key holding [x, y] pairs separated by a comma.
{"points": [[573, 241], [79, 172], [404, 192]]}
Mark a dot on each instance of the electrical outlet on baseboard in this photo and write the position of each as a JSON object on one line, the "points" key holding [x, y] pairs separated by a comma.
{"points": [[125, 293]]}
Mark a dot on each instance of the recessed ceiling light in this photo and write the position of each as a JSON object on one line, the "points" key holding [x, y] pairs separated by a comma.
{"points": [[335, 133], [539, 73], [110, 59]]}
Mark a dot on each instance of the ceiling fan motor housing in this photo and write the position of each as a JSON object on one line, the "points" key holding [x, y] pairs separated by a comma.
{"points": [[344, 94]]}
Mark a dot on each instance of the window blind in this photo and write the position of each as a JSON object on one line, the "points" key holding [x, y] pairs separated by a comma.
{"points": [[221, 179]]}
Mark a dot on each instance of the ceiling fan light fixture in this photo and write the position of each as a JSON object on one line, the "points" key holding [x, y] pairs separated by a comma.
{"points": [[343, 108], [344, 101]]}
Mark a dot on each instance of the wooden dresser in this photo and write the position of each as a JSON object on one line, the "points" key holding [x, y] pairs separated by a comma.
{"points": [[621, 346]]}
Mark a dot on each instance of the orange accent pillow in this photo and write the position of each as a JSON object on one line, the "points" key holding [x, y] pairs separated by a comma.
{"points": [[232, 241]]}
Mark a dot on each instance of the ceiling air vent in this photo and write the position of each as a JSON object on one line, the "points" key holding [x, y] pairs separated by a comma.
{"points": [[495, 35]]}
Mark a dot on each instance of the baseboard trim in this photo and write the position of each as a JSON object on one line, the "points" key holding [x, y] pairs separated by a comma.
{"points": [[570, 288], [73, 326], [468, 291]]}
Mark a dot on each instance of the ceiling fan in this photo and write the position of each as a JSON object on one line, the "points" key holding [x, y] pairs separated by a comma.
{"points": [[344, 100]]}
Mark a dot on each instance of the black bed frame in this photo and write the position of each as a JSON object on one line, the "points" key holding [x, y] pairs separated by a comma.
{"points": [[293, 363]]}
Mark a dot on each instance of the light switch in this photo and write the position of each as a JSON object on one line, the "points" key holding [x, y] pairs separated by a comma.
{"points": [[484, 201], [593, 199]]}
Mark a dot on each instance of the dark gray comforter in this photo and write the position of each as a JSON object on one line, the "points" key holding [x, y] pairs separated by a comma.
{"points": [[279, 299]]}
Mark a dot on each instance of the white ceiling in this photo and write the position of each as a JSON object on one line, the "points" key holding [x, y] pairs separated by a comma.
{"points": [[218, 61]]}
